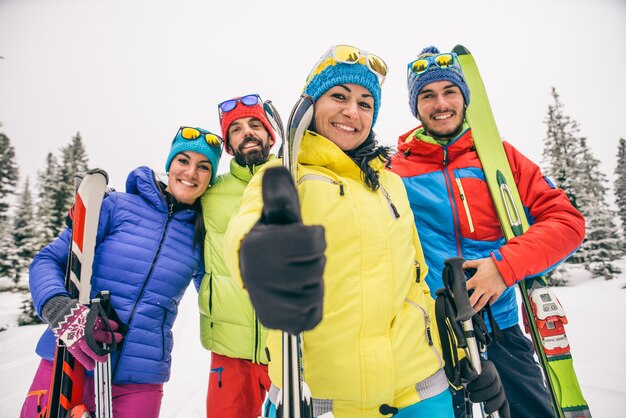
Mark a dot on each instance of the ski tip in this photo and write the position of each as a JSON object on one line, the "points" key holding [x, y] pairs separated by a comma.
{"points": [[307, 100], [268, 106], [461, 50], [99, 171], [301, 109]]}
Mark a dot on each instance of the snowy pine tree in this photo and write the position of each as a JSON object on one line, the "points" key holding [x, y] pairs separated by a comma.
{"points": [[561, 150], [9, 174], [8, 252], [569, 162], [620, 187], [28, 315], [73, 160], [602, 244], [24, 233], [50, 217]]}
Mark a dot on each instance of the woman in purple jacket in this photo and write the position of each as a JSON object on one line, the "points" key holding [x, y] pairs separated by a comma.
{"points": [[148, 249]]}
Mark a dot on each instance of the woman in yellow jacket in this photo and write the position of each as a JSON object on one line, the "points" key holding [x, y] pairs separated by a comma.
{"points": [[376, 350]]}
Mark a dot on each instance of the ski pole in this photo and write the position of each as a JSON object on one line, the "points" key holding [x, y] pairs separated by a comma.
{"points": [[456, 283], [294, 400], [102, 377]]}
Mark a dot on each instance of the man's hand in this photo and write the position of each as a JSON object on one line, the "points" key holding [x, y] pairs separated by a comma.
{"points": [[487, 284]]}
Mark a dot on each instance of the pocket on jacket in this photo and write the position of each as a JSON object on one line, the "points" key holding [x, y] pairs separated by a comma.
{"points": [[477, 214]]}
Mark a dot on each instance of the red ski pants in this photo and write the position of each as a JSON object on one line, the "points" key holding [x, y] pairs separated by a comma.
{"points": [[237, 388]]}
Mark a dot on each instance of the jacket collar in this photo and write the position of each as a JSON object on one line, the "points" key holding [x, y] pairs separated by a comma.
{"points": [[414, 142], [244, 173], [143, 182], [320, 151]]}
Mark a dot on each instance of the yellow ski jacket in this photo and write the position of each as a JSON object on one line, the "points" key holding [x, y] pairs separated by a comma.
{"points": [[378, 335]]}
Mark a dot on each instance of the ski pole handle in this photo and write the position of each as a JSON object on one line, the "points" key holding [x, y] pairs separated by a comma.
{"points": [[456, 283]]}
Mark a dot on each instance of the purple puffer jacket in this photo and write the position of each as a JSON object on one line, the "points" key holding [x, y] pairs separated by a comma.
{"points": [[145, 258]]}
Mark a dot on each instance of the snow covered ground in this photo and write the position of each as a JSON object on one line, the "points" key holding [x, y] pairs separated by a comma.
{"points": [[595, 309]]}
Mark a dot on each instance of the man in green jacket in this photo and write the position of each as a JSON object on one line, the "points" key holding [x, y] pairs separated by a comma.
{"points": [[229, 327]]}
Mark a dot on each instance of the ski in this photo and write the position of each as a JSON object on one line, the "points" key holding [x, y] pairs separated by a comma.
{"points": [[543, 316], [294, 398], [66, 387], [277, 124]]}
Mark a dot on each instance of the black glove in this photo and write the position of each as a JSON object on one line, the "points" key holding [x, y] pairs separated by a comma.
{"points": [[282, 261], [485, 387]]}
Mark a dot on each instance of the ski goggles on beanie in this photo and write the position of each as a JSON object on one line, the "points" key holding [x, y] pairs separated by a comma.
{"points": [[248, 100], [346, 54], [248, 106], [344, 64], [197, 140], [192, 134], [432, 66], [443, 61]]}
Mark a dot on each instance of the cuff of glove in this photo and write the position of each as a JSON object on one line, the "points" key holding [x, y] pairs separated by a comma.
{"points": [[55, 309], [72, 326]]}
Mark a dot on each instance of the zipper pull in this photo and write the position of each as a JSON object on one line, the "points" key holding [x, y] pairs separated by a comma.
{"points": [[429, 337], [391, 205], [417, 271], [395, 211], [170, 210], [341, 192], [219, 371]]}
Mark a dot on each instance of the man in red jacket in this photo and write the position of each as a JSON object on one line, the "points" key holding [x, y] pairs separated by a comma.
{"points": [[455, 217]]}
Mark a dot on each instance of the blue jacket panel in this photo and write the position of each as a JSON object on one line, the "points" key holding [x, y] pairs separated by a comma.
{"points": [[145, 258], [436, 218]]}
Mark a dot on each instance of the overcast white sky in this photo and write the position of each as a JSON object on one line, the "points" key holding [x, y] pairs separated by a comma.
{"points": [[127, 73]]}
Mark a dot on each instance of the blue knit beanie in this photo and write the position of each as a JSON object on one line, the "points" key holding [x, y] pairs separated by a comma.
{"points": [[329, 73], [199, 145], [434, 73]]}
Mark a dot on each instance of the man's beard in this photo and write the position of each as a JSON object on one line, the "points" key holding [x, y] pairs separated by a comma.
{"points": [[252, 158], [445, 137]]}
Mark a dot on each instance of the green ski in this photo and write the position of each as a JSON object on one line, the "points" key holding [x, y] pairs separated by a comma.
{"points": [[543, 316]]}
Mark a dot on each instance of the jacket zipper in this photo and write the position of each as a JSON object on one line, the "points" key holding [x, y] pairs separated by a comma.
{"points": [[322, 178], [465, 205], [170, 214], [256, 339], [211, 296], [453, 208], [429, 337], [392, 207]]}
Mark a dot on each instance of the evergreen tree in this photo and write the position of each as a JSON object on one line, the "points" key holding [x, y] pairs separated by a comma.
{"points": [[50, 217], [562, 149], [73, 160], [8, 253], [24, 233], [620, 187], [9, 174], [28, 315], [602, 244], [569, 162]]}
